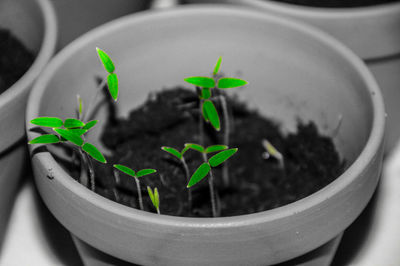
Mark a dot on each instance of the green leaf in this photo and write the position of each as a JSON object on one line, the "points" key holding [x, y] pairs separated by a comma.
{"points": [[221, 157], [45, 139], [125, 169], [204, 82], [90, 124], [144, 172], [227, 83], [212, 114], [156, 198], [106, 60], [215, 148], [205, 93], [185, 149], [78, 131], [172, 151], [112, 81], [94, 152], [217, 66], [73, 123], [70, 136], [151, 195], [195, 147], [47, 121], [199, 174]]}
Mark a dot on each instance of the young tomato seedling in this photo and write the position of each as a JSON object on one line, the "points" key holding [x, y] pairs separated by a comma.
{"points": [[72, 131], [181, 158], [136, 175], [208, 109], [155, 198], [206, 168]]}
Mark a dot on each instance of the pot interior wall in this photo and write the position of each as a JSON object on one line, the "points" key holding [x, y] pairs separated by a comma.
{"points": [[291, 75], [24, 19]]}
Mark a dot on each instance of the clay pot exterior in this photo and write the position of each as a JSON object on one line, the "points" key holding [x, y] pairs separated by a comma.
{"points": [[76, 17], [371, 32], [294, 71], [34, 23]]}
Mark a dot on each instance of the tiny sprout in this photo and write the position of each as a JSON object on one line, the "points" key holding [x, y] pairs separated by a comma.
{"points": [[272, 151], [181, 158], [135, 175], [155, 198], [80, 106]]}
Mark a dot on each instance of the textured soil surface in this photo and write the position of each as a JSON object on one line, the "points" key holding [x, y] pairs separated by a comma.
{"points": [[170, 118], [15, 59], [337, 3]]}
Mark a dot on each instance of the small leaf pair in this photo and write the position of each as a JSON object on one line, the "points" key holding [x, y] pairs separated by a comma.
{"points": [[223, 83], [112, 79], [155, 198], [131, 172], [209, 149], [174, 152]]}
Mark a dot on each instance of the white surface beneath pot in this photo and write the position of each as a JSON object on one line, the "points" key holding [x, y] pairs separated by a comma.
{"points": [[35, 238]]}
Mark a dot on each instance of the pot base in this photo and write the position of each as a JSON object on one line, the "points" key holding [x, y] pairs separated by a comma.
{"points": [[321, 256]]}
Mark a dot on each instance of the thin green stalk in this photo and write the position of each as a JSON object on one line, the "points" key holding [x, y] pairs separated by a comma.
{"points": [[201, 125], [186, 168], [91, 106], [117, 178], [83, 178], [139, 193], [225, 176], [91, 173], [211, 187]]}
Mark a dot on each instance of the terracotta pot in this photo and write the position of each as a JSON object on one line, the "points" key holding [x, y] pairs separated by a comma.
{"points": [[76, 17], [34, 23], [294, 71], [371, 32]]}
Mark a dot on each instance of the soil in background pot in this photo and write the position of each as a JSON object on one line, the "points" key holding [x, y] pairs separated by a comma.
{"points": [[336, 3], [170, 118], [15, 59]]}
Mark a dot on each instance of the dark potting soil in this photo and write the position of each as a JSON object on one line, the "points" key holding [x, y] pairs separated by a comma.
{"points": [[15, 59], [169, 118], [336, 3]]}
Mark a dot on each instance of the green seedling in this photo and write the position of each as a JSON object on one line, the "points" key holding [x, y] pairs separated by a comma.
{"points": [[136, 176], [206, 167], [111, 80], [208, 109], [71, 131], [179, 155], [272, 151], [155, 198]]}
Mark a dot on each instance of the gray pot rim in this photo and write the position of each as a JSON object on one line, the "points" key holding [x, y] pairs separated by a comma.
{"points": [[371, 148], [328, 12], [46, 51]]}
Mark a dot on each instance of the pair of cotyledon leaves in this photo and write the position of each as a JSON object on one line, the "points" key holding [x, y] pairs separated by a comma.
{"points": [[154, 197], [129, 171], [202, 171], [112, 79], [71, 130]]}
